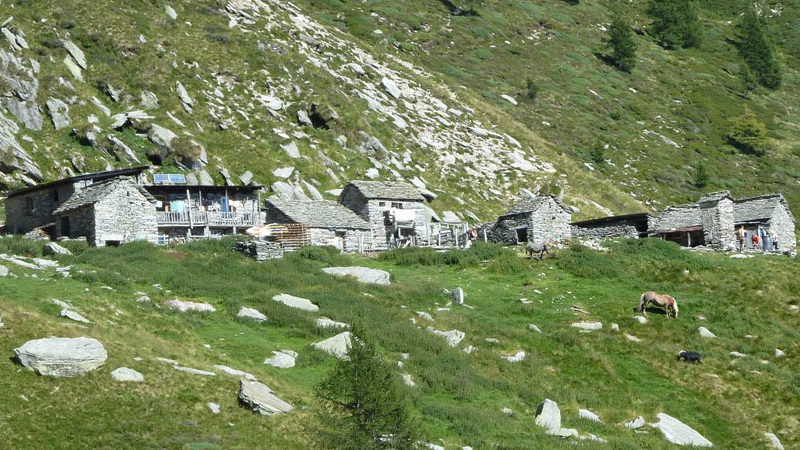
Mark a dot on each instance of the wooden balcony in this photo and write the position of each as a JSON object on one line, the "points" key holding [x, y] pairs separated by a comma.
{"points": [[207, 218]]}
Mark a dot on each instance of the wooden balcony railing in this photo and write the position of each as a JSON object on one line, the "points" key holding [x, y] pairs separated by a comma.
{"points": [[204, 218]]}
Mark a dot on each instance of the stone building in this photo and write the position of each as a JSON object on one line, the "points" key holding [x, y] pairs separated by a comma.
{"points": [[716, 218], [186, 212], [770, 212], [32, 207], [395, 211], [626, 226], [327, 222], [534, 219], [108, 212]]}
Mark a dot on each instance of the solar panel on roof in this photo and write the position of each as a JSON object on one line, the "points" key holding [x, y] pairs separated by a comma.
{"points": [[160, 178], [177, 178]]}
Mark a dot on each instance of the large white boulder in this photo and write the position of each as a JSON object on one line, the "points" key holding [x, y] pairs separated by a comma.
{"points": [[251, 313], [679, 433], [62, 357], [337, 346], [296, 302], [261, 399], [185, 306], [126, 374], [362, 274], [548, 416]]}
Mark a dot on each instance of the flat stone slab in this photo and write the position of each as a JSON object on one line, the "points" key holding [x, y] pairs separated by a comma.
{"points": [[588, 415], [126, 374], [563, 432], [51, 248], [250, 313], [324, 322], [62, 357], [515, 358], [184, 306], [774, 441], [235, 372], [194, 371], [679, 433], [337, 345], [261, 399], [704, 332], [284, 359], [591, 326], [635, 424], [296, 302], [362, 274], [548, 416], [453, 337], [72, 315]]}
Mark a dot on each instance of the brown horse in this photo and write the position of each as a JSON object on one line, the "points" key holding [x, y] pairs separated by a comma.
{"points": [[663, 300]]}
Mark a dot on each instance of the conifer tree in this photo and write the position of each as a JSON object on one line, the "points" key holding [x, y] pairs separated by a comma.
{"points": [[620, 41], [757, 51], [675, 23]]}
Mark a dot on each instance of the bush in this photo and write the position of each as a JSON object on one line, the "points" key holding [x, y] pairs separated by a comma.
{"points": [[480, 251], [531, 88], [701, 176], [584, 262], [748, 135]]}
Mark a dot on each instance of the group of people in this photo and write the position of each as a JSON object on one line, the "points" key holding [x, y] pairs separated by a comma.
{"points": [[761, 239]]}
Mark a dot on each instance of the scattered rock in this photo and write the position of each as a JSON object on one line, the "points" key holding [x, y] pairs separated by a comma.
{"points": [[453, 337], [250, 313], [76, 53], [143, 299], [507, 410], [563, 432], [215, 409], [632, 338], [515, 358], [774, 441], [337, 346], [284, 359], [235, 372], [291, 150], [261, 399], [548, 416], [679, 433], [148, 100], [407, 380], [303, 119], [170, 12], [4, 271], [362, 274], [509, 99], [296, 302], [779, 353], [62, 357], [737, 354], [51, 248], [635, 424], [2, 324], [705, 333], [614, 327], [456, 294], [126, 374], [425, 316], [588, 325], [372, 173], [283, 172], [324, 322], [184, 306], [194, 371], [391, 87], [588, 415], [72, 315], [534, 328], [59, 113], [641, 319], [246, 178]]}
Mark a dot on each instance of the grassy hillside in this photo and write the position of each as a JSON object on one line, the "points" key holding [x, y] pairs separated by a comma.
{"points": [[746, 303]]}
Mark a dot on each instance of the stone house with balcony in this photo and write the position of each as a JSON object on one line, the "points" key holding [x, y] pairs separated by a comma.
{"points": [[33, 207], [394, 210], [186, 212], [534, 219], [327, 223], [108, 213]]}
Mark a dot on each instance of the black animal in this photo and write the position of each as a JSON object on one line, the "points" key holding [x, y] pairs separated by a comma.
{"points": [[692, 357]]}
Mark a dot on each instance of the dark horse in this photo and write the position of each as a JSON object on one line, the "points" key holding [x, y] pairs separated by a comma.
{"points": [[541, 248]]}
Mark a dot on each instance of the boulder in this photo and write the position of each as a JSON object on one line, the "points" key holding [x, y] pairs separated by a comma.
{"points": [[2, 324], [679, 433], [588, 415], [324, 322], [509, 99], [283, 172], [246, 178], [774, 441], [284, 359], [591, 326], [62, 357], [407, 380], [235, 372], [291, 150], [563, 432], [372, 173], [148, 100], [121, 150], [261, 399], [3, 271], [296, 302], [126, 374], [548, 416], [214, 407], [779, 353], [170, 12], [184, 306], [635, 424], [534, 328], [704, 332], [59, 113], [453, 337], [456, 294], [515, 358], [425, 316], [362, 274], [76, 53], [250, 313], [303, 119], [641, 319], [632, 338], [51, 248], [737, 354], [337, 346], [72, 315], [391, 87]]}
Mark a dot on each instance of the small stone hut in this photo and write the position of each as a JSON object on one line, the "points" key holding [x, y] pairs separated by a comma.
{"points": [[770, 212], [394, 210], [534, 219], [327, 222], [625, 226], [110, 212]]}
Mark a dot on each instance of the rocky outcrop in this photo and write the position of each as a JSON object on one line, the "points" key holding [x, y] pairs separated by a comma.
{"points": [[59, 113], [62, 357], [548, 416], [261, 399], [362, 274], [19, 88]]}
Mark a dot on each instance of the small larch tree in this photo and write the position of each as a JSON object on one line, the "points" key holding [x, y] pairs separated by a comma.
{"points": [[748, 135], [757, 51], [364, 402], [620, 42], [675, 23]]}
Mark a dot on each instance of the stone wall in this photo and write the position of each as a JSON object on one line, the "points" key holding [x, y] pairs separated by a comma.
{"points": [[81, 223], [605, 231], [349, 241], [782, 223], [549, 223], [260, 250], [675, 217], [716, 217], [34, 209], [124, 215]]}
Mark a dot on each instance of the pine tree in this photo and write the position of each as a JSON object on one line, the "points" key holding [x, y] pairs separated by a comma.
{"points": [[365, 406], [675, 23], [623, 48], [757, 51]]}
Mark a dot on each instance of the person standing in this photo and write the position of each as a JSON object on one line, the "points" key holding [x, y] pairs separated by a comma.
{"points": [[756, 241], [740, 234]]}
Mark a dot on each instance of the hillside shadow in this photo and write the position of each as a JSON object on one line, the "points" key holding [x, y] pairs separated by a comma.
{"points": [[457, 11]]}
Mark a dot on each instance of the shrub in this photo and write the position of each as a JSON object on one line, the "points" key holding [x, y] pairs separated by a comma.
{"points": [[531, 88], [748, 135], [584, 262], [701, 176]]}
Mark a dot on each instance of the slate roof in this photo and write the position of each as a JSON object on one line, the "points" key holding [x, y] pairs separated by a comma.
{"points": [[319, 214], [95, 192], [387, 190], [757, 208], [86, 176], [530, 204]]}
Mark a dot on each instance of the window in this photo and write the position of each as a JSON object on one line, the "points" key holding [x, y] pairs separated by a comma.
{"points": [[397, 205], [381, 203], [29, 206]]}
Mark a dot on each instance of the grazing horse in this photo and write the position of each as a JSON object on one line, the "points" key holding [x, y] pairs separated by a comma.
{"points": [[663, 300], [541, 248]]}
